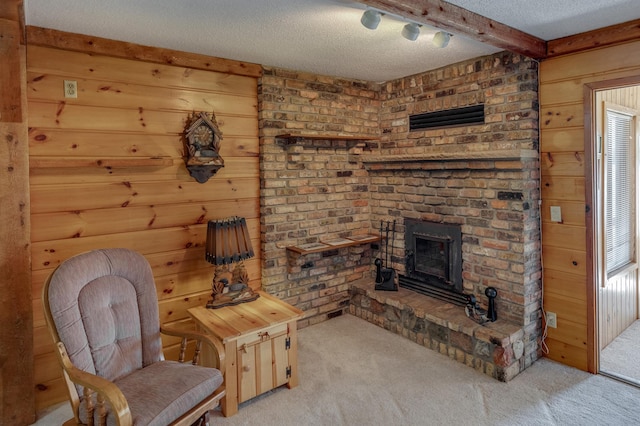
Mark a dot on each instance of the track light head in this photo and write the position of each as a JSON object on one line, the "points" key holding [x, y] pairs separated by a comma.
{"points": [[441, 39], [411, 31], [370, 19]]}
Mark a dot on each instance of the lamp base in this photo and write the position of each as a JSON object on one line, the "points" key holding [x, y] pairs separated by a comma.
{"points": [[225, 294], [220, 282], [245, 294]]}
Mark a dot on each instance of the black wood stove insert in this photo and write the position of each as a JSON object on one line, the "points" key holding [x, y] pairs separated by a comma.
{"points": [[433, 260]]}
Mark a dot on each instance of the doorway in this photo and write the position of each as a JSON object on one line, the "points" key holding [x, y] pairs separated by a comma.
{"points": [[615, 149]]}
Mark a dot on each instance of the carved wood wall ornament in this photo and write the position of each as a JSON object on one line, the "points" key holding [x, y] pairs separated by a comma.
{"points": [[202, 146]]}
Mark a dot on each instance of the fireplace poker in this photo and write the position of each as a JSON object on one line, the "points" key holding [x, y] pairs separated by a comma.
{"points": [[386, 247], [393, 238], [381, 253], [385, 277]]}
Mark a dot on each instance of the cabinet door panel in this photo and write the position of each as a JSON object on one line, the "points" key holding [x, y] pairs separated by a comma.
{"points": [[246, 373], [264, 367], [281, 360]]}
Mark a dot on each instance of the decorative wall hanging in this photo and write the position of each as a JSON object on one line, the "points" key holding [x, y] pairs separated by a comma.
{"points": [[202, 146]]}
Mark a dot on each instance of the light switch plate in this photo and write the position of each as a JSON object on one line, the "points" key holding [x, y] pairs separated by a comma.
{"points": [[556, 214]]}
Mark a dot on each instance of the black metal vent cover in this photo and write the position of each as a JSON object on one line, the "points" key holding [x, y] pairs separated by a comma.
{"points": [[451, 117]]}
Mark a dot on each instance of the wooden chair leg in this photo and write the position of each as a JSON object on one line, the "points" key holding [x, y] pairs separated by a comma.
{"points": [[203, 420], [90, 405]]}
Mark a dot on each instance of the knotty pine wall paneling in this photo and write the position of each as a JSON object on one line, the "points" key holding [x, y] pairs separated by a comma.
{"points": [[17, 395], [565, 249], [107, 170]]}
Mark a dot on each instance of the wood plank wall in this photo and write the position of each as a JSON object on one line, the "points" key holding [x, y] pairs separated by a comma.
{"points": [[106, 170], [618, 300], [564, 178], [16, 320]]}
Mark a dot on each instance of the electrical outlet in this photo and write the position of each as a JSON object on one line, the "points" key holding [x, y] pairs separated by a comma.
{"points": [[70, 89], [556, 214], [552, 319]]}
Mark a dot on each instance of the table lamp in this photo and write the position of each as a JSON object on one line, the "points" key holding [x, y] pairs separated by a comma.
{"points": [[228, 242]]}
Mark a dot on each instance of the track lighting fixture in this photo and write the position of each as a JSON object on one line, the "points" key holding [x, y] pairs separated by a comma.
{"points": [[370, 19], [441, 39], [411, 31]]}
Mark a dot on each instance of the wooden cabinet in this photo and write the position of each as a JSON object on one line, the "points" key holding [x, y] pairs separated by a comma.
{"points": [[260, 342], [263, 361]]}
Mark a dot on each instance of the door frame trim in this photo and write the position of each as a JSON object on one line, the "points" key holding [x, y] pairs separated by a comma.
{"points": [[589, 92]]}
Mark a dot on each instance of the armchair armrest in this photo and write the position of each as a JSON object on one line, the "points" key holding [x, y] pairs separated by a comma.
{"points": [[199, 337], [103, 387]]}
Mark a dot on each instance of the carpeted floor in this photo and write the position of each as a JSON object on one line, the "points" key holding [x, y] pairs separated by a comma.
{"points": [[355, 373], [621, 357]]}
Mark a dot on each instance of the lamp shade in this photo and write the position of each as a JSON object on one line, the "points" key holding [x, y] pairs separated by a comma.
{"points": [[441, 39], [228, 241], [411, 31], [370, 19]]}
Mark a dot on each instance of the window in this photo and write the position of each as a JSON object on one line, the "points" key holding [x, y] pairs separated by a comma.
{"points": [[620, 184]]}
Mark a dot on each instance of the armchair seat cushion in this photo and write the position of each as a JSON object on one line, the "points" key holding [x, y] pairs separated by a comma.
{"points": [[163, 391]]}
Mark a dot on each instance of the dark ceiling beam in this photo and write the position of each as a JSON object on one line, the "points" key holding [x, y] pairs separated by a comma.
{"points": [[38, 36], [597, 38], [458, 20]]}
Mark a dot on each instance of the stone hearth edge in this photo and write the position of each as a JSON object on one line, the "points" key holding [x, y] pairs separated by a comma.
{"points": [[443, 327]]}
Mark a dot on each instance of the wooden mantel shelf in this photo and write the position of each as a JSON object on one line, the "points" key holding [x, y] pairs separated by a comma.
{"points": [[447, 160], [115, 162]]}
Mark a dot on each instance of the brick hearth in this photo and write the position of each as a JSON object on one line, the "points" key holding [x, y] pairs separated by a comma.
{"points": [[495, 349]]}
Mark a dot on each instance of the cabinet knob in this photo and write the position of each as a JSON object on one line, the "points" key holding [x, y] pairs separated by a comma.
{"points": [[246, 368]]}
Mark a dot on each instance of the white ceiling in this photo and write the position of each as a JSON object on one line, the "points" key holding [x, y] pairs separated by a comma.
{"points": [[319, 36]]}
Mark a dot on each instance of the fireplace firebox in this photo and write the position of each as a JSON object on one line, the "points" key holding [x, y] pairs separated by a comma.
{"points": [[433, 260]]}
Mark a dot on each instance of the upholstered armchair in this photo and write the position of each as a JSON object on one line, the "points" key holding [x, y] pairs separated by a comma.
{"points": [[101, 308]]}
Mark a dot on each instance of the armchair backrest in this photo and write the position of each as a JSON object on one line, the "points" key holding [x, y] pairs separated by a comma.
{"points": [[104, 308]]}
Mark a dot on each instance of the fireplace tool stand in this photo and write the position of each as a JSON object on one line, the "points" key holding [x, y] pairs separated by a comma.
{"points": [[386, 276], [479, 314]]}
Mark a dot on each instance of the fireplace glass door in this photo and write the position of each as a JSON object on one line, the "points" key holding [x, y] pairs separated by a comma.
{"points": [[432, 257]]}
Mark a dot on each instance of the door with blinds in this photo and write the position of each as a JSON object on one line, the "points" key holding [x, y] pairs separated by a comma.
{"points": [[618, 220]]}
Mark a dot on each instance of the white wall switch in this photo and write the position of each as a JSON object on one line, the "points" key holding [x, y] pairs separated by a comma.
{"points": [[556, 214]]}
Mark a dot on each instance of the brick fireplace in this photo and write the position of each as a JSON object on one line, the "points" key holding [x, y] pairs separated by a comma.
{"points": [[482, 178], [495, 205]]}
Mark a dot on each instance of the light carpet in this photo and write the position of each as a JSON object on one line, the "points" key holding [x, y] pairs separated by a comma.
{"points": [[355, 373], [621, 357]]}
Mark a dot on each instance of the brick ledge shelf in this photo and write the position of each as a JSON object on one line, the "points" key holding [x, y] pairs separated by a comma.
{"points": [[442, 327], [328, 246]]}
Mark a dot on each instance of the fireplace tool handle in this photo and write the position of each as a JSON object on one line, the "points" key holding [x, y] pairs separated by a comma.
{"points": [[378, 264], [491, 293]]}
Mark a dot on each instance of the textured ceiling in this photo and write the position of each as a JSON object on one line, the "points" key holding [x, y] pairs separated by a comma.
{"points": [[318, 36]]}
